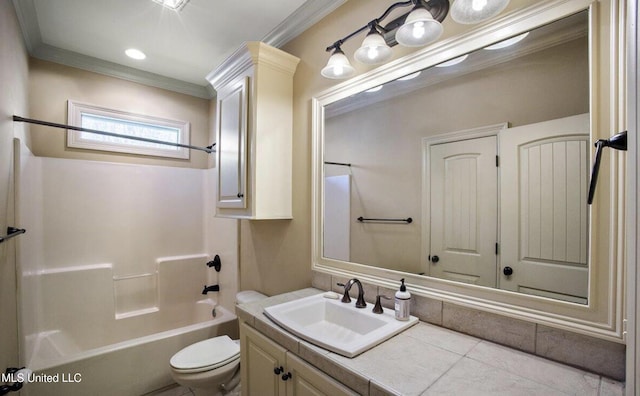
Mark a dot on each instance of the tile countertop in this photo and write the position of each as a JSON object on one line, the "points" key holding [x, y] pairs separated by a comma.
{"points": [[431, 360]]}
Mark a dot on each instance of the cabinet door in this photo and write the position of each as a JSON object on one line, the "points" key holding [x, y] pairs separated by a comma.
{"points": [[259, 357], [307, 380], [232, 146]]}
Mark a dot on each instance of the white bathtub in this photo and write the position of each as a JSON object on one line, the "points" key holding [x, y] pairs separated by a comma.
{"points": [[132, 367]]}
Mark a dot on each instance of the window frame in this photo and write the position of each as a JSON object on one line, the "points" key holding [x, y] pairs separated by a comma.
{"points": [[75, 110]]}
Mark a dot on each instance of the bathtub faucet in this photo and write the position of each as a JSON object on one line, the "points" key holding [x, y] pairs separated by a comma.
{"points": [[212, 288]]}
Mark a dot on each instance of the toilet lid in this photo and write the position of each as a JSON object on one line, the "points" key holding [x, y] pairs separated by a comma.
{"points": [[208, 354]]}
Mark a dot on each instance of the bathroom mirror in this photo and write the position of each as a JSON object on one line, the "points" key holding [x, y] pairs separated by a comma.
{"points": [[412, 146], [465, 169]]}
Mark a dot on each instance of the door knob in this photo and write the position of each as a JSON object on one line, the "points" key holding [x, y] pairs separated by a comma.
{"points": [[507, 271], [435, 259]]}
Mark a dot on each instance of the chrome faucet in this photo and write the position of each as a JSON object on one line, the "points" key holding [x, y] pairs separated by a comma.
{"points": [[360, 303]]}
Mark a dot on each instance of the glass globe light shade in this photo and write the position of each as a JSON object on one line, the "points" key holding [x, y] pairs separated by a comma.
{"points": [[373, 50], [475, 11], [338, 66], [507, 43], [419, 29]]}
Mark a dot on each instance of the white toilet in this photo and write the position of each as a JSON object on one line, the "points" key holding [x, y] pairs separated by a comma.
{"points": [[212, 366]]}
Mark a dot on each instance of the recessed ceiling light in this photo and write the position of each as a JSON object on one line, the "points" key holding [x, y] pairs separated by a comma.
{"points": [[135, 54], [172, 4]]}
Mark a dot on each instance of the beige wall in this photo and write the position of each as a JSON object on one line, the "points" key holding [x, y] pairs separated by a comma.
{"points": [[276, 255], [13, 100], [51, 85]]}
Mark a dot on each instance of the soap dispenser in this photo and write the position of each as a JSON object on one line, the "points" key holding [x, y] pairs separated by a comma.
{"points": [[403, 302]]}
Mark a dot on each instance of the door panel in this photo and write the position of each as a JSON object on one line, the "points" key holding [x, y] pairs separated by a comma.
{"points": [[463, 196], [544, 222]]}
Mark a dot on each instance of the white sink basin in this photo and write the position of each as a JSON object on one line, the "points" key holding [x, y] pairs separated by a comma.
{"points": [[339, 327]]}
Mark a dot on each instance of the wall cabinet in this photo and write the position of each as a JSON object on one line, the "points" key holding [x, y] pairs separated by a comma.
{"points": [[254, 123], [268, 369]]}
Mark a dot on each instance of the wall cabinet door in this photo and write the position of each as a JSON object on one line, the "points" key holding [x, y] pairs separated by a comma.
{"points": [[232, 146], [255, 133]]}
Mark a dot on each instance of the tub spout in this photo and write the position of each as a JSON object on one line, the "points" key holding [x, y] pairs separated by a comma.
{"points": [[212, 288]]}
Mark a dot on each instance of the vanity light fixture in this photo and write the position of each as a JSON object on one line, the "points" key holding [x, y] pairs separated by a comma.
{"points": [[418, 27], [507, 43], [410, 76], [476, 11], [338, 66], [374, 49], [453, 61]]}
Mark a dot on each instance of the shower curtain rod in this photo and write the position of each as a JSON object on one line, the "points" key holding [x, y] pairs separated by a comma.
{"points": [[208, 149]]}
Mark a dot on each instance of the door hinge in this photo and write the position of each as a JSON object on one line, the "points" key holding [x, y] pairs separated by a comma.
{"points": [[497, 160], [497, 248]]}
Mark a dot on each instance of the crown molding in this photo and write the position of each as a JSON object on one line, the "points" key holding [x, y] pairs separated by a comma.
{"points": [[73, 59], [302, 19]]}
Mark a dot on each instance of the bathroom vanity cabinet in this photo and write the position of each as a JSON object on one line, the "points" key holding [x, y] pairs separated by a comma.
{"points": [[424, 359], [254, 132], [269, 369]]}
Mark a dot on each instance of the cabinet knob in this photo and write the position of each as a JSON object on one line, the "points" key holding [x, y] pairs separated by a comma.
{"points": [[278, 370], [507, 271], [286, 376], [435, 259], [240, 195]]}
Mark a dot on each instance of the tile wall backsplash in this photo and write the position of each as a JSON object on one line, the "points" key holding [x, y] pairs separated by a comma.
{"points": [[599, 356]]}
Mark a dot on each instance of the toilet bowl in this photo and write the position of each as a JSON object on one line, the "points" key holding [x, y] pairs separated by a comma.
{"points": [[211, 367]]}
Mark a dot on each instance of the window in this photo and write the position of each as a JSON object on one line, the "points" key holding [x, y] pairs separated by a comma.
{"points": [[123, 123]]}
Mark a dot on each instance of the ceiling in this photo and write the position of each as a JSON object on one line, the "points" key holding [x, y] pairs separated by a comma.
{"points": [[182, 47]]}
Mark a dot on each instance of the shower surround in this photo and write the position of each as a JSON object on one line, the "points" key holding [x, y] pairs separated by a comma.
{"points": [[112, 269]]}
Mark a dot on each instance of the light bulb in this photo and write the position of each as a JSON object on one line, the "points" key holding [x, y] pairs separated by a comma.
{"points": [[478, 5], [374, 49], [418, 30], [338, 66]]}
